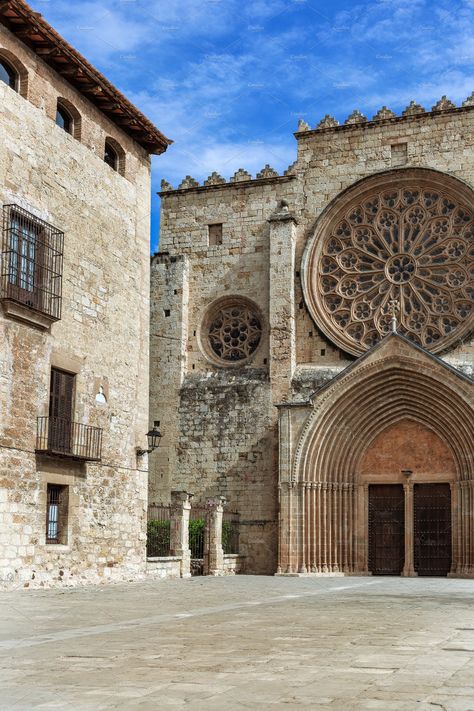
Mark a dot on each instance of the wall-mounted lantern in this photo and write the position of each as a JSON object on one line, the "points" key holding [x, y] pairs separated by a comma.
{"points": [[154, 439]]}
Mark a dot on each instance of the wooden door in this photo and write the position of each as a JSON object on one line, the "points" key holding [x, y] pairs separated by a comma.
{"points": [[60, 411], [432, 527], [386, 529]]}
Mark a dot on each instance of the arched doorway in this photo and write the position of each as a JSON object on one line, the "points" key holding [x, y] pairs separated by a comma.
{"points": [[397, 417]]}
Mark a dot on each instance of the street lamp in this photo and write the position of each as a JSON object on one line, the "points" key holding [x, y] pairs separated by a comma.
{"points": [[154, 438]]}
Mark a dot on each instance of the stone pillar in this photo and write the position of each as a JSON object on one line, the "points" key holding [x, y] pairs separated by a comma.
{"points": [[282, 360], [213, 551], [409, 568], [282, 301], [361, 519], [179, 540], [456, 523], [168, 363]]}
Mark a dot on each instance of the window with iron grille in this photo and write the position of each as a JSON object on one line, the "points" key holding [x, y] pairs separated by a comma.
{"points": [[56, 513], [32, 262]]}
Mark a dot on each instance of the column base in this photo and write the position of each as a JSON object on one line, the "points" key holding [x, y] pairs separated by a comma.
{"points": [[409, 573]]}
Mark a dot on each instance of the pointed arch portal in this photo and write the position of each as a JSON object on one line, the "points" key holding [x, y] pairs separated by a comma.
{"points": [[397, 418]]}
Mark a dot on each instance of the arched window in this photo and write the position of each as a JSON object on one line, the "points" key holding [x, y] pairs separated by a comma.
{"points": [[110, 156], [68, 118], [13, 72], [114, 155], [64, 119], [8, 74]]}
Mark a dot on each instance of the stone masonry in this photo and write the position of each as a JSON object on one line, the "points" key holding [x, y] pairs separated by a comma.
{"points": [[101, 338], [223, 435]]}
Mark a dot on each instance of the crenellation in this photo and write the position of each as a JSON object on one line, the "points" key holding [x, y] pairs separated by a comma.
{"points": [[355, 117]]}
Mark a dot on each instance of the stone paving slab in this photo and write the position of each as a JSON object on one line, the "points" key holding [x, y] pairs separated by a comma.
{"points": [[241, 643]]}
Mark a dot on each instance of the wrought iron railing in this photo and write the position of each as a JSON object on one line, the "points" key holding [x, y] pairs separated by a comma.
{"points": [[62, 437], [230, 532], [158, 538], [197, 532], [32, 262]]}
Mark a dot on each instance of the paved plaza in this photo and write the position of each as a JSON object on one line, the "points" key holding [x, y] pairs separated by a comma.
{"points": [[241, 643]]}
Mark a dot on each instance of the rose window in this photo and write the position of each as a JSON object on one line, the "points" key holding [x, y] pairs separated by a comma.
{"points": [[411, 244], [234, 330]]}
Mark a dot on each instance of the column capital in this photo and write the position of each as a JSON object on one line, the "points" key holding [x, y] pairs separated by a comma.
{"points": [[216, 503], [282, 214], [180, 497]]}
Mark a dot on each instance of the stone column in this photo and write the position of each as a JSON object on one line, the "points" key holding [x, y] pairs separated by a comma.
{"points": [[456, 523], [282, 360], [409, 569], [361, 520], [179, 539], [169, 293], [282, 301], [213, 551]]}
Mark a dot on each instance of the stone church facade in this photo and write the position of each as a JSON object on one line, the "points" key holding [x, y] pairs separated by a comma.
{"points": [[74, 313], [312, 347]]}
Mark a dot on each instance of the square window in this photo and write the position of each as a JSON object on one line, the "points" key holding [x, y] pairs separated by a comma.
{"points": [[57, 504], [215, 234]]}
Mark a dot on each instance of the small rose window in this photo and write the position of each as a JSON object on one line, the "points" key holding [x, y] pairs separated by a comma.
{"points": [[234, 330]]}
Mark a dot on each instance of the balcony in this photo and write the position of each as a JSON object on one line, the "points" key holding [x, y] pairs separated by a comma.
{"points": [[61, 437]]}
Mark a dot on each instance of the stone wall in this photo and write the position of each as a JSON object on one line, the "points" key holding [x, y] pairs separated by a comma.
{"points": [[219, 422], [102, 338]]}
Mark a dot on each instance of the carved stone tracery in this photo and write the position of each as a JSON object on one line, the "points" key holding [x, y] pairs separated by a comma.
{"points": [[234, 330], [407, 243]]}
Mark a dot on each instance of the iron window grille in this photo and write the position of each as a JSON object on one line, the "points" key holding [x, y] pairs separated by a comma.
{"points": [[56, 513], [32, 262]]}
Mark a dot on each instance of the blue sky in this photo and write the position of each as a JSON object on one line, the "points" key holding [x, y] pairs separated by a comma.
{"points": [[227, 80]]}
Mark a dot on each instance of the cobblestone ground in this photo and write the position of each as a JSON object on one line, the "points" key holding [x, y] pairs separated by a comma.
{"points": [[241, 643]]}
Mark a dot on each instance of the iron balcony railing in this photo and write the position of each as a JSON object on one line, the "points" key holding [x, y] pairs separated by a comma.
{"points": [[64, 438]]}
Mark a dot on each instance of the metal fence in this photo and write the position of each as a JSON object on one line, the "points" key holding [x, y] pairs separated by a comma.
{"points": [[197, 529], [230, 532], [158, 537]]}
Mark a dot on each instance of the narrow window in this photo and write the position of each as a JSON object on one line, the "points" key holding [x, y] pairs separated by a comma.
{"points": [[215, 234], [111, 156], [64, 119], [8, 74], [32, 258], [56, 513], [60, 430]]}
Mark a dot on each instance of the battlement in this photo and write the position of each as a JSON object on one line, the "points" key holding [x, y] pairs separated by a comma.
{"points": [[241, 178], [356, 120], [384, 115]]}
